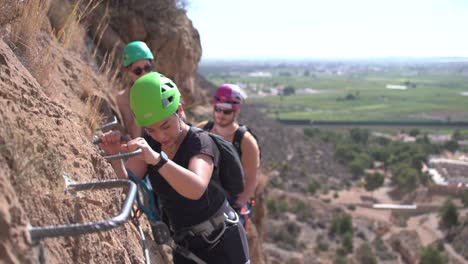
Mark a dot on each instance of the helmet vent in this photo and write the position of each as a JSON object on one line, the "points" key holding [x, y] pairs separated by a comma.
{"points": [[166, 86], [165, 102]]}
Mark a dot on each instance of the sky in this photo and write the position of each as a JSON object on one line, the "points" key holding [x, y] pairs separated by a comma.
{"points": [[330, 29]]}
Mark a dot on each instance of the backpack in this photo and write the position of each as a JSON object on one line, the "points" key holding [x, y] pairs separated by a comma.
{"points": [[229, 175], [238, 136]]}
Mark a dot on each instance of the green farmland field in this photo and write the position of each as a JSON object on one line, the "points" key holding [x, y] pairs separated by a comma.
{"points": [[360, 96]]}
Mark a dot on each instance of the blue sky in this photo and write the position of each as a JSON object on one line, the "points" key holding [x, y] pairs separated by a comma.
{"points": [[308, 29]]}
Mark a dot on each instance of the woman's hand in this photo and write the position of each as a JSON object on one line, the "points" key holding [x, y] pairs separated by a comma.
{"points": [[110, 142], [149, 156]]}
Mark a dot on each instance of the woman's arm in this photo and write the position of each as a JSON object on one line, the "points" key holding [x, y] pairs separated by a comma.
{"points": [[189, 182], [193, 181]]}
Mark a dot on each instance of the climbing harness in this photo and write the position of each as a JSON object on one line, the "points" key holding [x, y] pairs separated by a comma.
{"points": [[160, 230], [206, 228], [244, 212]]}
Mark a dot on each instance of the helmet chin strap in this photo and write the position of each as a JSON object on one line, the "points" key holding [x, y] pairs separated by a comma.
{"points": [[178, 138], [178, 121]]}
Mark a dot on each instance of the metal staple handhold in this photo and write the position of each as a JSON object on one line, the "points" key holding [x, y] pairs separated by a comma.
{"points": [[38, 233]]}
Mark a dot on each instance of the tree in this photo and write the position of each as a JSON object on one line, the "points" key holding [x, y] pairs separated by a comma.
{"points": [[350, 96], [359, 135], [383, 141], [414, 132], [346, 152], [431, 255], [448, 215], [410, 84], [423, 140], [464, 198], [405, 176], [289, 90], [365, 254], [380, 154], [311, 132], [365, 158], [313, 186], [374, 181], [457, 135], [341, 224], [357, 167], [451, 145], [417, 159], [348, 242]]}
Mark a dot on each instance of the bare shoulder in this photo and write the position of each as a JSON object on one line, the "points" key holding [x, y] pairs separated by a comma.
{"points": [[249, 140], [122, 96], [202, 124]]}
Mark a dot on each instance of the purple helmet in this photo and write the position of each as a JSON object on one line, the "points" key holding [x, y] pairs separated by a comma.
{"points": [[228, 96]]}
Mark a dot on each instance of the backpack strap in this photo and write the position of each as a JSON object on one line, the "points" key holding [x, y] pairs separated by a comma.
{"points": [[208, 126], [238, 136]]}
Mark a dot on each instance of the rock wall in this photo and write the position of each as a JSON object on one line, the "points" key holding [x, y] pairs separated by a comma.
{"points": [[165, 28]]}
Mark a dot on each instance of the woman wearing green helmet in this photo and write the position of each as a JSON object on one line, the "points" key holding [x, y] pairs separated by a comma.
{"points": [[180, 162], [138, 61]]}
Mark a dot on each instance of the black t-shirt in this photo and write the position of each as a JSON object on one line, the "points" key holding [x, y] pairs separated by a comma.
{"points": [[181, 211]]}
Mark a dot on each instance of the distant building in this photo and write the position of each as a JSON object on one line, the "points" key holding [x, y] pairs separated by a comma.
{"points": [[403, 137], [269, 92], [306, 91], [439, 139], [396, 87], [448, 171], [260, 74]]}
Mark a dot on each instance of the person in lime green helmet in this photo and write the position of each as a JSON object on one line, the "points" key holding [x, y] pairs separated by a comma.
{"points": [[137, 59], [180, 161]]}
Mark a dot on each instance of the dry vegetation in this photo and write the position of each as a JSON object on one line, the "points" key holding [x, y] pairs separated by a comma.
{"points": [[92, 114], [40, 48], [30, 160], [27, 39]]}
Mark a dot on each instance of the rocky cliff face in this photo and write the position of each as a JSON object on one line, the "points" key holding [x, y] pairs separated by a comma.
{"points": [[57, 83]]}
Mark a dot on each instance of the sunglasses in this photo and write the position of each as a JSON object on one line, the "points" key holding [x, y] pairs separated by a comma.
{"points": [[138, 70], [226, 112]]}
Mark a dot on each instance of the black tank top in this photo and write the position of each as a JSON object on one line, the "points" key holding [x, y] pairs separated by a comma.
{"points": [[181, 211]]}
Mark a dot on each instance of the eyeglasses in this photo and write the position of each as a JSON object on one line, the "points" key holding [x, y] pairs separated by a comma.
{"points": [[138, 70], [216, 98], [226, 112]]}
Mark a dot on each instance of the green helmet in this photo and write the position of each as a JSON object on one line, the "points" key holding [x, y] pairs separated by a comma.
{"points": [[153, 97], [136, 50]]}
